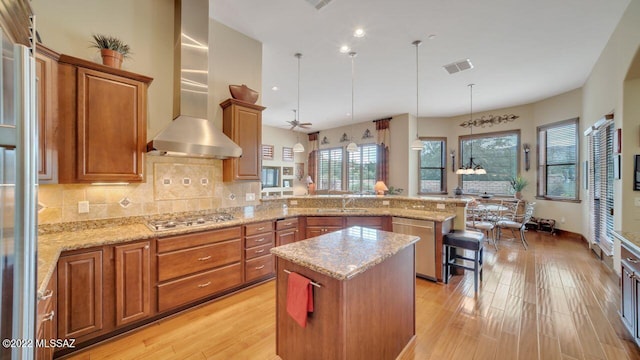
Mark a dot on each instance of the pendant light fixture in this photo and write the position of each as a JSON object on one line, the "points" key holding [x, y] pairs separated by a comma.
{"points": [[472, 168], [297, 148], [352, 147], [417, 144]]}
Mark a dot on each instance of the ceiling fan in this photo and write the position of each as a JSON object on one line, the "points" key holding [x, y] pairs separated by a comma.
{"points": [[295, 123]]}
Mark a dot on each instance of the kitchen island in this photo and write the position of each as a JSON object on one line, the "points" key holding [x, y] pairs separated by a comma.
{"points": [[363, 294]]}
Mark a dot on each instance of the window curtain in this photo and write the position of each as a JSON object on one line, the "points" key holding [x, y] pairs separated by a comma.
{"points": [[313, 156], [384, 136]]}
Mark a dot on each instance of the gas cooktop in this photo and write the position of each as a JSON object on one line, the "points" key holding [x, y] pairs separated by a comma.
{"points": [[190, 221]]}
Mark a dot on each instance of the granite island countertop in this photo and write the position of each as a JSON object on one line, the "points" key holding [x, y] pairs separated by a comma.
{"points": [[51, 245], [631, 239], [346, 253]]}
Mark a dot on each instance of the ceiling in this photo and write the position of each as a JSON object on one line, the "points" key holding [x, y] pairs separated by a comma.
{"points": [[522, 52]]}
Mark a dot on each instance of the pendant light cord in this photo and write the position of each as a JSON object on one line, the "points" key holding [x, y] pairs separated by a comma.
{"points": [[417, 43], [471, 122], [298, 55], [353, 76]]}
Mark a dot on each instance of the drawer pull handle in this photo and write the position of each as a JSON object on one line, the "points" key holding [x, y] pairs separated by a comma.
{"points": [[204, 258], [260, 240], [631, 260], [288, 224], [47, 295], [259, 267], [259, 251], [261, 228], [205, 284], [630, 275], [49, 316]]}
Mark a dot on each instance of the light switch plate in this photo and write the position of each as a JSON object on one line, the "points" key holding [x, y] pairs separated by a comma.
{"points": [[250, 197], [440, 206], [385, 202], [294, 202], [83, 207], [636, 202]]}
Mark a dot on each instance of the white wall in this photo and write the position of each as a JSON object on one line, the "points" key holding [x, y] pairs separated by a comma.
{"points": [[401, 168]]}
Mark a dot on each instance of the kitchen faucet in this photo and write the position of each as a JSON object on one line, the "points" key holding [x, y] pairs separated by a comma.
{"points": [[346, 201]]}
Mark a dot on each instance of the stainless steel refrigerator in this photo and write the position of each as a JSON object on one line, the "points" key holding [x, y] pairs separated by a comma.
{"points": [[18, 181]]}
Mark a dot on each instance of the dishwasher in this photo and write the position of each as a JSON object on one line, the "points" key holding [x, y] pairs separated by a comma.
{"points": [[425, 248]]}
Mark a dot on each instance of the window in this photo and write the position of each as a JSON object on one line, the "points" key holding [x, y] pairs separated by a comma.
{"points": [[498, 154], [601, 200], [362, 168], [558, 160], [330, 169], [432, 166]]}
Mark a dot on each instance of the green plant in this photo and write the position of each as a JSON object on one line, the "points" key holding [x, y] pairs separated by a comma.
{"points": [[112, 43], [394, 191], [518, 183]]}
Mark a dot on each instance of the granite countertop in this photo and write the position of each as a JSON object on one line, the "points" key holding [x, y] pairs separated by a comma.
{"points": [[631, 239], [50, 246], [346, 253]]}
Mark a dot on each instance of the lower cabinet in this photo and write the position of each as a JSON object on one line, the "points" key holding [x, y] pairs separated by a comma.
{"points": [[287, 231], [320, 225], [46, 324], [630, 292], [132, 282], [258, 261], [80, 295]]}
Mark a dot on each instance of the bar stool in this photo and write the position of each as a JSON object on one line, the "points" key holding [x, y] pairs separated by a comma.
{"points": [[463, 240]]}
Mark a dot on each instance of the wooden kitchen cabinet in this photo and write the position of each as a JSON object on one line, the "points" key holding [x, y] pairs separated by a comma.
{"points": [[630, 292], [320, 225], [103, 121], [47, 113], [259, 240], [80, 295], [46, 325], [286, 231], [195, 266], [242, 123], [132, 270], [372, 222]]}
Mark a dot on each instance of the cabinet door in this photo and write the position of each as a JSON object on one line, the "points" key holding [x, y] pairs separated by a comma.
{"points": [[80, 295], [46, 68], [286, 236], [133, 282], [372, 222], [111, 123], [627, 297], [242, 123]]}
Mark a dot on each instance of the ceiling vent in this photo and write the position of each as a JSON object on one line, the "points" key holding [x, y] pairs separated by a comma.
{"points": [[319, 4], [458, 66]]}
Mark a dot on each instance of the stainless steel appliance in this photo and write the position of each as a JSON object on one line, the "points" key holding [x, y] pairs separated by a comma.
{"points": [[18, 180], [191, 221], [425, 248]]}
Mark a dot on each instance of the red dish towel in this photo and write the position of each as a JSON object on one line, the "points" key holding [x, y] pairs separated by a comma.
{"points": [[299, 298]]}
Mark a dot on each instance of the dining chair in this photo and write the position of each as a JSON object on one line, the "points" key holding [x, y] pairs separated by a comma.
{"points": [[478, 219], [518, 223]]}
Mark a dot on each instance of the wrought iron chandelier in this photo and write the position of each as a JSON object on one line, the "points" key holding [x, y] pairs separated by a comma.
{"points": [[472, 168]]}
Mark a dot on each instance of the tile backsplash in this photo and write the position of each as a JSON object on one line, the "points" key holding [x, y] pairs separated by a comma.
{"points": [[172, 185]]}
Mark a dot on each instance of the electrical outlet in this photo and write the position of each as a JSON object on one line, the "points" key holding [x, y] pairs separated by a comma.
{"points": [[440, 206], [250, 197], [294, 202], [385, 202], [83, 207]]}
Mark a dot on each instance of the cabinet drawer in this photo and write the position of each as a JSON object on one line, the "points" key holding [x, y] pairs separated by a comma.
{"points": [[257, 251], [46, 302], [203, 238], [630, 259], [258, 267], [286, 224], [258, 240], [325, 221], [365, 221], [183, 291], [258, 228], [184, 262]]}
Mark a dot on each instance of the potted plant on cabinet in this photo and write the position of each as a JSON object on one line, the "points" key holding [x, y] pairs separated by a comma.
{"points": [[112, 49], [518, 183]]}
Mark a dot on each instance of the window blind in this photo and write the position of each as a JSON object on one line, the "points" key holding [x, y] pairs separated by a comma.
{"points": [[558, 160], [432, 166]]}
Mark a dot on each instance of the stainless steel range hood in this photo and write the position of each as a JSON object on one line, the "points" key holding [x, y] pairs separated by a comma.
{"points": [[190, 134]]}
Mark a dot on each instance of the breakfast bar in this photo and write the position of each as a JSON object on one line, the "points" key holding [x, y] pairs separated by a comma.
{"points": [[363, 283]]}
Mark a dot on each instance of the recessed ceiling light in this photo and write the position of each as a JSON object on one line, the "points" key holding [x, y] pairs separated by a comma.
{"points": [[275, 88], [432, 36], [359, 33], [348, 114], [344, 49]]}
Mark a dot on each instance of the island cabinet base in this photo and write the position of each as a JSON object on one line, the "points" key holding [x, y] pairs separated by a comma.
{"points": [[370, 316]]}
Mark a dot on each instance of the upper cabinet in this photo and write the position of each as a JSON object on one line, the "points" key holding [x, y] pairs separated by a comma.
{"points": [[103, 122], [242, 123], [47, 113]]}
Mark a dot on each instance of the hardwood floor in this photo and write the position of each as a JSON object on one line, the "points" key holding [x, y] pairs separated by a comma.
{"points": [[553, 301]]}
